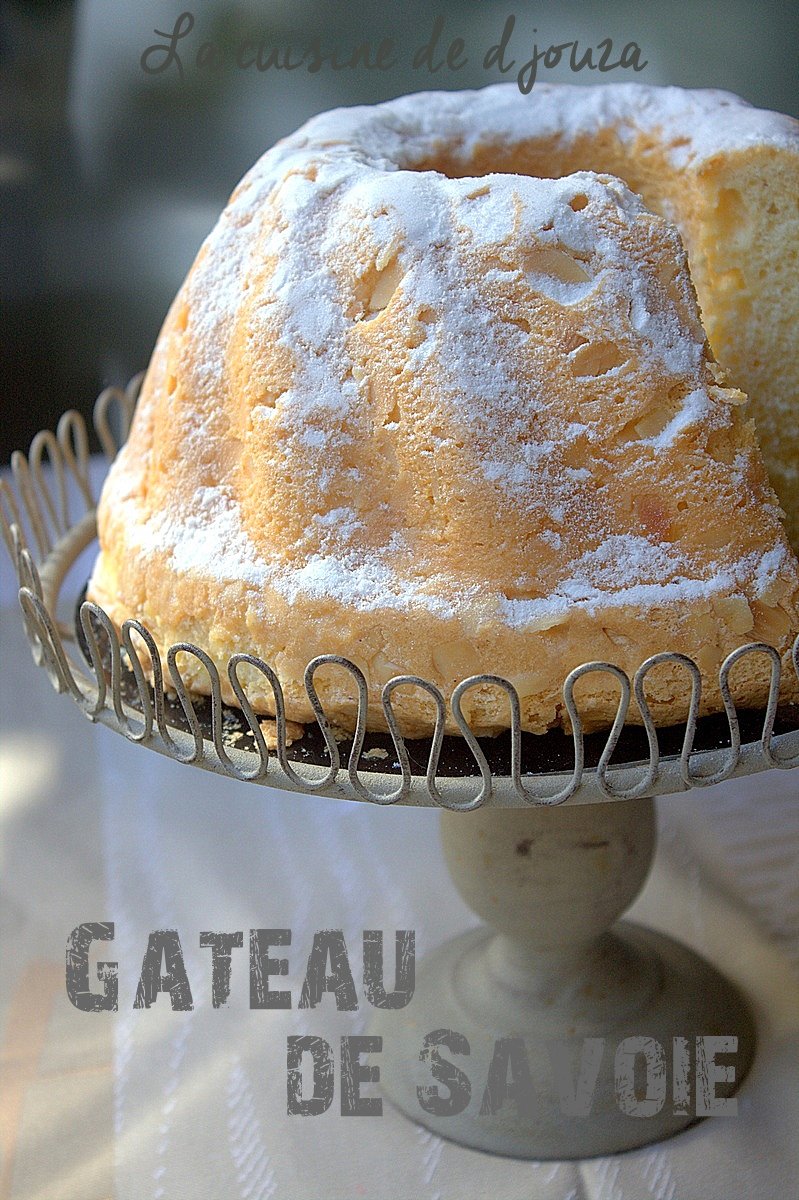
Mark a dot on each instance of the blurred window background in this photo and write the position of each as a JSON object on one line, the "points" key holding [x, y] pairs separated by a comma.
{"points": [[110, 177]]}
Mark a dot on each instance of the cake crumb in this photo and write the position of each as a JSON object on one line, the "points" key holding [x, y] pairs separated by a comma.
{"points": [[294, 732], [340, 734]]}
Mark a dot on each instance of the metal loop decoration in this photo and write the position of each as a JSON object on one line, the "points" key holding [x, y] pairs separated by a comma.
{"points": [[28, 577], [145, 703], [121, 404], [695, 778], [773, 694], [27, 571], [693, 705], [73, 441], [185, 700], [217, 714], [526, 794], [87, 612], [649, 780], [399, 741], [473, 744], [259, 772], [324, 724], [45, 445], [10, 521], [36, 630], [37, 514], [280, 714], [359, 734], [21, 473], [657, 660], [90, 700], [615, 731]]}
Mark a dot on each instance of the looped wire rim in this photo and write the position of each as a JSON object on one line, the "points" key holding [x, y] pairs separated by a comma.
{"points": [[37, 511]]}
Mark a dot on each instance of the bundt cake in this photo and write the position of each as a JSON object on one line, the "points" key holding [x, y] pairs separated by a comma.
{"points": [[437, 399]]}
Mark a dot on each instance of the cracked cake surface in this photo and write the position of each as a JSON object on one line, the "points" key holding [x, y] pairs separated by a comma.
{"points": [[425, 404]]}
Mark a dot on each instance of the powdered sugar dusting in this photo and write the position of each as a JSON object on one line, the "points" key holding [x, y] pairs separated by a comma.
{"points": [[694, 125], [348, 178], [623, 570], [695, 409]]}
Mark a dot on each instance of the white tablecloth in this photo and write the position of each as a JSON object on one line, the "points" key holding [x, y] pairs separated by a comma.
{"points": [[147, 1104]]}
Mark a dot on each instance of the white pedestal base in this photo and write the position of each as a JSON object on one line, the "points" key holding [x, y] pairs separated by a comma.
{"points": [[565, 990]]}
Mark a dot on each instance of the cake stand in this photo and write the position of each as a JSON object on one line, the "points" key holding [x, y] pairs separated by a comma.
{"points": [[576, 1031]]}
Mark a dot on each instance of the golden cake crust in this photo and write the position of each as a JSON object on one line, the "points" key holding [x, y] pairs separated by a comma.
{"points": [[444, 422]]}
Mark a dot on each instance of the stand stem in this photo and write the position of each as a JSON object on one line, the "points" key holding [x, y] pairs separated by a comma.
{"points": [[552, 972]]}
